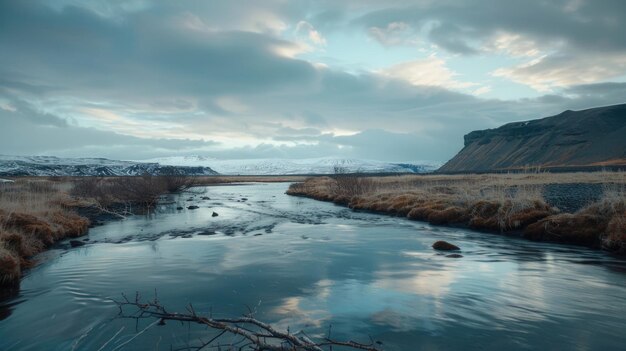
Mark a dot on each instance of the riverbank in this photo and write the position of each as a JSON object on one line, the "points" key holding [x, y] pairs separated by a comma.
{"points": [[36, 212], [574, 208]]}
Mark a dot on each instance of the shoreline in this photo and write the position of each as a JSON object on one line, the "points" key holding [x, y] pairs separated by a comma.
{"points": [[516, 209], [38, 213]]}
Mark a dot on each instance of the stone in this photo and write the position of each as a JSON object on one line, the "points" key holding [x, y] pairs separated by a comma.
{"points": [[445, 246], [193, 207], [76, 243], [215, 214]]}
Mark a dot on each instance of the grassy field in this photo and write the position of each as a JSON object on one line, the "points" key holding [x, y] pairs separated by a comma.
{"points": [[490, 202], [36, 212]]}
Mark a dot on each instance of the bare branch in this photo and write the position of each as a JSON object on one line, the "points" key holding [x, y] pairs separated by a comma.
{"points": [[250, 333]]}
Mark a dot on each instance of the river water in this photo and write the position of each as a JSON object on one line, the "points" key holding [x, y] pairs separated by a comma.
{"points": [[305, 264]]}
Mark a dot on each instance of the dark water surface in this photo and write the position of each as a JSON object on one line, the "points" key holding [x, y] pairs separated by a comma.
{"points": [[306, 264]]}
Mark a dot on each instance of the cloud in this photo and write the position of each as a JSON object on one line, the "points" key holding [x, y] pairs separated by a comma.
{"points": [[547, 72], [134, 79], [18, 109], [162, 54], [431, 71], [512, 44], [394, 34], [369, 144], [305, 28], [592, 95], [569, 38], [26, 131], [463, 23]]}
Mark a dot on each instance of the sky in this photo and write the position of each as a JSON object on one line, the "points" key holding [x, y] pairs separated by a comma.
{"points": [[393, 80]]}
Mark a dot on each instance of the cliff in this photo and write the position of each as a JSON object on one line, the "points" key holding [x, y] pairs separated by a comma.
{"points": [[587, 138]]}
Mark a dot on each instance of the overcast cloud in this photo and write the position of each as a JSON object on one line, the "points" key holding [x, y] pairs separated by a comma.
{"points": [[394, 80]]}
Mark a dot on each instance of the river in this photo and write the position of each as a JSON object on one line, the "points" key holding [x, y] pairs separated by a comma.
{"points": [[305, 264]]}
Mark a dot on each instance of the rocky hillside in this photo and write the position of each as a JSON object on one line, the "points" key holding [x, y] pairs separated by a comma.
{"points": [[593, 137], [16, 166]]}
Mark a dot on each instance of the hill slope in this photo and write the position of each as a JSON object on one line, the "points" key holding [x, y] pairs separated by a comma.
{"points": [[593, 137], [15, 166]]}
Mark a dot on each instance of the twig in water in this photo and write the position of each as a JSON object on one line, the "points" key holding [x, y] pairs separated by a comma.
{"points": [[248, 333]]}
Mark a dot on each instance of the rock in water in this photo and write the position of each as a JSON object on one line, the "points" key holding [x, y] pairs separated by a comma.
{"points": [[76, 243], [193, 207], [214, 214], [445, 246], [455, 255]]}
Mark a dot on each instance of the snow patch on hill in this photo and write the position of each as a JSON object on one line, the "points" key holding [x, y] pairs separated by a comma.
{"points": [[295, 166], [56, 166]]}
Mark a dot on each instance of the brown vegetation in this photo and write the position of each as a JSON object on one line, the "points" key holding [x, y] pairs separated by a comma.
{"points": [[140, 192], [37, 212], [601, 224], [33, 215], [496, 203]]}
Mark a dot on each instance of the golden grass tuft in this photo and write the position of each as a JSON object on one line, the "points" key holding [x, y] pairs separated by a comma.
{"points": [[448, 215]]}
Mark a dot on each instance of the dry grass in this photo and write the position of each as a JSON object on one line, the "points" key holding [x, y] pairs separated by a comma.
{"points": [[33, 215], [141, 192], [493, 202], [37, 212], [484, 202], [601, 224]]}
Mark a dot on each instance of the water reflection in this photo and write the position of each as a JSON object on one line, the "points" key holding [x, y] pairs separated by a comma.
{"points": [[306, 264]]}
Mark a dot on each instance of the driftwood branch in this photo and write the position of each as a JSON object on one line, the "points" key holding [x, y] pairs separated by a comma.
{"points": [[122, 214], [247, 332]]}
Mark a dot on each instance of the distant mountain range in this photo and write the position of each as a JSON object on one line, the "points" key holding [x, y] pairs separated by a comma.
{"points": [[13, 166], [296, 166], [573, 139]]}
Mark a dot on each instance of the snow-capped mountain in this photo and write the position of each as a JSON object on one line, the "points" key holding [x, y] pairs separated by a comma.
{"points": [[196, 165], [295, 166], [55, 166]]}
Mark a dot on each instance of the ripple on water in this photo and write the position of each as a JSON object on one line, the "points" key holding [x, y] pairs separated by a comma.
{"points": [[317, 264]]}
